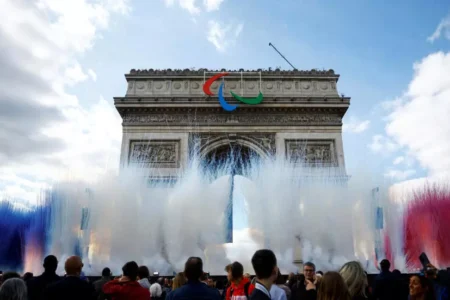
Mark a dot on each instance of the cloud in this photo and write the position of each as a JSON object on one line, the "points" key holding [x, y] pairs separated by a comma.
{"points": [[212, 5], [400, 175], [223, 37], [75, 74], [189, 5], [355, 126], [92, 74], [398, 160], [382, 144], [420, 121], [44, 131], [443, 29]]}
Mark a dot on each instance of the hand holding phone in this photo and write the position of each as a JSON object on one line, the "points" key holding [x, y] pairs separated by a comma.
{"points": [[424, 260]]}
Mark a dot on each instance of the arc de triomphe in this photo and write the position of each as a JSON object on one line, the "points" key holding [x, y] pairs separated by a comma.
{"points": [[166, 115]]}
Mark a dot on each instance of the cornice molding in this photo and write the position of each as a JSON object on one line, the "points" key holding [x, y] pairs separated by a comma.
{"points": [[201, 72]]}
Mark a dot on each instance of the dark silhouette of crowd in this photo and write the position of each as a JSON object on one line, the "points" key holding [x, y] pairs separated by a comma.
{"points": [[350, 282]]}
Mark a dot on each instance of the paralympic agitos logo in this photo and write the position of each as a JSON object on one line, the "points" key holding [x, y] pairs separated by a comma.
{"points": [[222, 101]]}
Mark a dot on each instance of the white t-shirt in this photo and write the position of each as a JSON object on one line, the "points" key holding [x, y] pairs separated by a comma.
{"points": [[155, 290]]}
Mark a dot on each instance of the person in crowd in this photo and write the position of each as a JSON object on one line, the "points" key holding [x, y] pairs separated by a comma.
{"points": [[420, 288], [127, 287], [156, 290], [332, 287], [319, 273], [178, 281], [27, 276], [167, 286], [37, 285], [193, 289], [9, 275], [279, 291], [70, 287], [292, 281], [309, 270], [98, 285], [291, 277], [13, 289], [264, 263], [143, 275], [299, 290], [440, 289], [204, 278], [220, 285], [384, 283], [401, 285], [211, 283], [248, 276], [163, 290], [356, 280], [240, 286]]}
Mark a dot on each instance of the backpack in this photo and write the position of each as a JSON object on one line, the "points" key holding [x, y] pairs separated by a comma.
{"points": [[246, 287]]}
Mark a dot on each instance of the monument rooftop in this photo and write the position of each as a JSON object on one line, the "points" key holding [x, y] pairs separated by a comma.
{"points": [[283, 89], [314, 73]]}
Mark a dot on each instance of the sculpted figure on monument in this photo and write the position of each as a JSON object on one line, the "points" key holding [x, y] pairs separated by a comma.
{"points": [[153, 153]]}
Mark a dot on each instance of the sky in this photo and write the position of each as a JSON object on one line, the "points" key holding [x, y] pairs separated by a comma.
{"points": [[62, 62]]}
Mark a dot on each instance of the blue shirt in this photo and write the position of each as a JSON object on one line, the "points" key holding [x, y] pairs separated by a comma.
{"points": [[194, 291], [277, 293]]}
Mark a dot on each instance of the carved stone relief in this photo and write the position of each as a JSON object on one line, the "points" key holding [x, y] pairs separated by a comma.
{"points": [[249, 86], [155, 153], [203, 142], [311, 153], [227, 119]]}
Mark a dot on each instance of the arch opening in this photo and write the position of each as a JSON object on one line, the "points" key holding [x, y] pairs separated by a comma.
{"points": [[234, 159]]}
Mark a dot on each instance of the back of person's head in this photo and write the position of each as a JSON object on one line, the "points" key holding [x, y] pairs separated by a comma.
{"points": [[237, 271], [319, 273], [27, 276], [143, 272], [130, 270], [73, 266], [193, 269], [264, 263], [13, 289], [9, 275], [220, 285], [355, 278], [178, 281], [161, 281], [50, 263], [333, 287], [106, 272], [396, 272], [385, 265]]}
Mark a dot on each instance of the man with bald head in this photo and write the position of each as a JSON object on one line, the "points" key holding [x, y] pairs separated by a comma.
{"points": [[71, 287]]}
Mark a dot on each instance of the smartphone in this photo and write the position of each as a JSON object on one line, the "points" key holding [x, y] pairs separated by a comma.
{"points": [[424, 260]]}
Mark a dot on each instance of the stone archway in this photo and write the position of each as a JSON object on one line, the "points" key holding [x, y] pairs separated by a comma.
{"points": [[230, 158]]}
